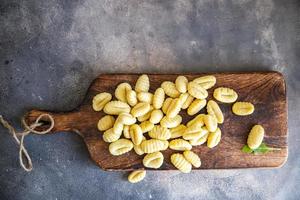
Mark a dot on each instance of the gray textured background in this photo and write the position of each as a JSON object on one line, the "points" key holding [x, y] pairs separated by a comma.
{"points": [[51, 50]]}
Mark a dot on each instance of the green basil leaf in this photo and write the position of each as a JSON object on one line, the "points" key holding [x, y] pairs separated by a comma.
{"points": [[263, 148], [246, 149]]}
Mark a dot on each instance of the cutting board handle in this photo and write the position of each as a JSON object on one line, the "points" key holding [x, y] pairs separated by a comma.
{"points": [[63, 121]]}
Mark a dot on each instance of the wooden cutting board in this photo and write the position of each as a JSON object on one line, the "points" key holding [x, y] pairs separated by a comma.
{"points": [[266, 90]]}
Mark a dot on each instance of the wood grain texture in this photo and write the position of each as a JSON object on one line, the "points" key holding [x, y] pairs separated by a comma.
{"points": [[266, 90]]}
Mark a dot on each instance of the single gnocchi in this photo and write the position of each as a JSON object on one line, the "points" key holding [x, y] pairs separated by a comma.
{"points": [[154, 145], [100, 100], [146, 126], [126, 118], [120, 147], [121, 90], [180, 145], [196, 106], [193, 135], [243, 108], [181, 84], [137, 148], [199, 141], [126, 133], [255, 136], [145, 97], [225, 95], [140, 109], [214, 138], [197, 90], [171, 122], [174, 108], [166, 105], [131, 97], [177, 131], [136, 176], [118, 127], [170, 89], [158, 98], [156, 116], [153, 160], [116, 108], [206, 82], [210, 122], [136, 134], [192, 158], [160, 133], [181, 163], [213, 109], [198, 119], [110, 136], [142, 84], [187, 102], [106, 123], [145, 117]]}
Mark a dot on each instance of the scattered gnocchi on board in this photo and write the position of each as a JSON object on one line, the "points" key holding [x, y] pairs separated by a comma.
{"points": [[150, 123]]}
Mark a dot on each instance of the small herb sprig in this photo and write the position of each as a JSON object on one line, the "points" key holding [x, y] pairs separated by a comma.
{"points": [[263, 148]]}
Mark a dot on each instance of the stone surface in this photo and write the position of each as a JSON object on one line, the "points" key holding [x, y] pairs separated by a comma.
{"points": [[50, 51]]}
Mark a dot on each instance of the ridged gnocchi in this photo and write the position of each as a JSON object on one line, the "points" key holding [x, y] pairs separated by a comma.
{"points": [[198, 119], [180, 145], [116, 108], [146, 126], [106, 123], [210, 122], [213, 109], [214, 138], [110, 136], [153, 160], [192, 158], [225, 95], [158, 98], [242, 108], [193, 135], [145, 97], [137, 148], [206, 82], [177, 131], [181, 83], [170, 89], [121, 90], [160, 133], [131, 97], [156, 116], [136, 176], [196, 106], [181, 163], [118, 127], [174, 108], [199, 141], [187, 102], [126, 118], [126, 133], [154, 145], [136, 134], [255, 136], [140, 109], [142, 84], [100, 100], [120, 147], [166, 105], [171, 122], [197, 90]]}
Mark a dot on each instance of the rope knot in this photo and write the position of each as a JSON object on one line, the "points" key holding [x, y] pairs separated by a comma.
{"points": [[19, 136]]}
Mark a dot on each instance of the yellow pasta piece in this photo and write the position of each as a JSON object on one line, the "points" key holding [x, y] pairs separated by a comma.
{"points": [[170, 89], [156, 116], [166, 104], [126, 131], [182, 98], [198, 119], [214, 138], [206, 82], [100, 100], [120, 147], [181, 84], [160, 133], [131, 97], [116, 108], [140, 109], [210, 123], [106, 123], [154, 145], [118, 127], [144, 117], [177, 131], [126, 118], [196, 106], [110, 136], [225, 95], [158, 98], [142, 84], [195, 127], [199, 141], [153, 160], [193, 135], [136, 134], [197, 90], [137, 148], [146, 126], [180, 145], [145, 97], [255, 136], [174, 108], [171, 122], [181, 163], [213, 109], [121, 91], [136, 176], [188, 102], [192, 158], [243, 108]]}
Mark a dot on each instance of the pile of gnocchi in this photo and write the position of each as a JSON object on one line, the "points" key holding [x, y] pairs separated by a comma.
{"points": [[150, 123]]}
